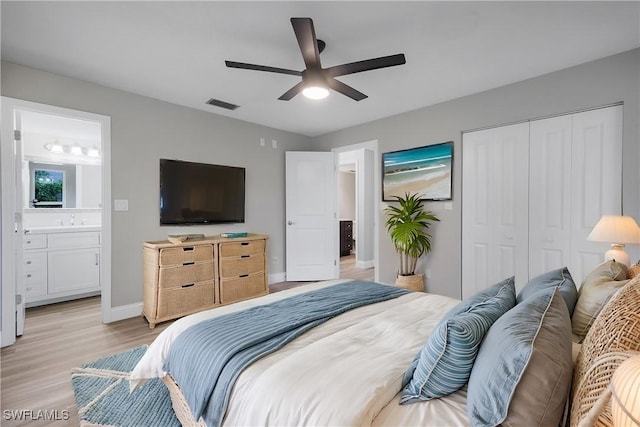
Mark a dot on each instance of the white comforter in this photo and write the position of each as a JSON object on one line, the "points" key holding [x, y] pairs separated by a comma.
{"points": [[347, 371]]}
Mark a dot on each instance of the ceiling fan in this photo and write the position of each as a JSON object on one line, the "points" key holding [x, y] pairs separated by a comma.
{"points": [[316, 81]]}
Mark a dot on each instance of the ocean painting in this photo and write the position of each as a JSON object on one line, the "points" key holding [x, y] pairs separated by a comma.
{"points": [[425, 171]]}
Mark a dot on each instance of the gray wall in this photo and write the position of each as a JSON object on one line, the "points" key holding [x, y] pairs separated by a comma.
{"points": [[143, 130], [601, 82], [347, 195]]}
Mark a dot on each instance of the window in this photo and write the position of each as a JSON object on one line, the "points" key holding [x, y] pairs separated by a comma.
{"points": [[49, 188]]}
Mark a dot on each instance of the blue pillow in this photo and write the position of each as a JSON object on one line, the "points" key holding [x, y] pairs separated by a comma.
{"points": [[523, 370], [444, 364], [561, 278]]}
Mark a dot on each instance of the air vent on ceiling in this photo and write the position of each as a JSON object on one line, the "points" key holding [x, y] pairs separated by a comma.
{"points": [[222, 104]]}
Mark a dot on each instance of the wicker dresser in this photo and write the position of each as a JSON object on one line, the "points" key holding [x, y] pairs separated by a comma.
{"points": [[199, 274]]}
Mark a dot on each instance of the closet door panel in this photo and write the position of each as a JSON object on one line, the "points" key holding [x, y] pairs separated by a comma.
{"points": [[476, 225], [596, 182], [495, 180], [550, 194]]}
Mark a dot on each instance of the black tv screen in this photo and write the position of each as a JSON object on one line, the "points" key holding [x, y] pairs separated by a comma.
{"points": [[199, 193]]}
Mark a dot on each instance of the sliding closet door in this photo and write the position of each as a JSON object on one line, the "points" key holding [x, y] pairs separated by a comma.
{"points": [[550, 194], [495, 174], [596, 182]]}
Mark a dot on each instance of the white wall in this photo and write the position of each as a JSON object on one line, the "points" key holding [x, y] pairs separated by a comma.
{"points": [[143, 130], [597, 83]]}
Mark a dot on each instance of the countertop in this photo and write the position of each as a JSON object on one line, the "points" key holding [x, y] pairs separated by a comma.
{"points": [[61, 229]]}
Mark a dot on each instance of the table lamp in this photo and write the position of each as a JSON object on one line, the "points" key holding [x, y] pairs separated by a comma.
{"points": [[617, 230], [625, 394]]}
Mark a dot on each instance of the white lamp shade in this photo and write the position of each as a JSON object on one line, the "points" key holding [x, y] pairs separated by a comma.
{"points": [[625, 404], [615, 229]]}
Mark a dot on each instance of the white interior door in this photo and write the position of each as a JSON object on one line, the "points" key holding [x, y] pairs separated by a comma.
{"points": [[13, 288], [550, 194], [495, 206], [311, 219], [596, 182]]}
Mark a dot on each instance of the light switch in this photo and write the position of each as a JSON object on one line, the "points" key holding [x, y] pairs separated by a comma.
{"points": [[120, 205], [448, 206]]}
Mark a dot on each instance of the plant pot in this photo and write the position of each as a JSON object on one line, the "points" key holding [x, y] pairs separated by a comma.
{"points": [[414, 282]]}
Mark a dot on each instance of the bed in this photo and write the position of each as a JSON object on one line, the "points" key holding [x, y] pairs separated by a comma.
{"points": [[354, 368]]}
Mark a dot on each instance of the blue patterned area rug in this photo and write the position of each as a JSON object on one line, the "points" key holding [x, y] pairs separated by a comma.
{"points": [[101, 390]]}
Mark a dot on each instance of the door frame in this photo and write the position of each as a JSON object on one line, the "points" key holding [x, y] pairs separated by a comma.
{"points": [[373, 146], [9, 208]]}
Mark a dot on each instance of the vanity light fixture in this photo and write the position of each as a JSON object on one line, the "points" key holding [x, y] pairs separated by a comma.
{"points": [[54, 148], [93, 152], [76, 150]]}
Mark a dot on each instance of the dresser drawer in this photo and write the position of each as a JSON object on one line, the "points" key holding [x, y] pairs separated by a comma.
{"points": [[241, 265], [229, 249], [186, 254], [34, 241], [176, 276], [182, 300], [239, 288]]}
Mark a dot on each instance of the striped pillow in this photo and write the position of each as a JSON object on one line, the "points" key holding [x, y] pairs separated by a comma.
{"points": [[444, 363]]}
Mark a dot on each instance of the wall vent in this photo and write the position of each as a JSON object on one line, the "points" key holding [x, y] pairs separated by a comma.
{"points": [[221, 104]]}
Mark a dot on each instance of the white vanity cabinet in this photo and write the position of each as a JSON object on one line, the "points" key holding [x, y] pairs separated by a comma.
{"points": [[60, 266]]}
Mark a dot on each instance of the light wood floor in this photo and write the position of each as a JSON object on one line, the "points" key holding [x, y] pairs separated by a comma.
{"points": [[35, 371]]}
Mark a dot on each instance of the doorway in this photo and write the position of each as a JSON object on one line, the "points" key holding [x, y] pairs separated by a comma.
{"points": [[55, 209], [358, 173]]}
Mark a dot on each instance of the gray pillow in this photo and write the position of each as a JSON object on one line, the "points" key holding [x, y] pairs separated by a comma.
{"points": [[522, 373], [444, 363], [596, 290], [561, 278]]}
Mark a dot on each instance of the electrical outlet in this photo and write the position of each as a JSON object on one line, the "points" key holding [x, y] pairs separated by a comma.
{"points": [[274, 144], [262, 142], [274, 260], [427, 273]]}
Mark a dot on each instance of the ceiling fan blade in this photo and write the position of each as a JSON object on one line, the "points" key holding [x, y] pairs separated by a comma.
{"points": [[366, 65], [245, 66], [346, 90], [306, 35], [292, 92]]}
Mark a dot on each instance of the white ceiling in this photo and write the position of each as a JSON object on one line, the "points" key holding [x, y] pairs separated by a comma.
{"points": [[175, 51]]}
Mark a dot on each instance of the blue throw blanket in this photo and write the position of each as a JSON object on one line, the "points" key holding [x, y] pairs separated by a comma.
{"points": [[207, 358]]}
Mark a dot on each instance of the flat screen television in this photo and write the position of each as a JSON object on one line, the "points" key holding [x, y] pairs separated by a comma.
{"points": [[426, 171], [199, 193]]}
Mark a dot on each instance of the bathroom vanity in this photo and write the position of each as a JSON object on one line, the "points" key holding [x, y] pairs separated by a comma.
{"points": [[60, 263]]}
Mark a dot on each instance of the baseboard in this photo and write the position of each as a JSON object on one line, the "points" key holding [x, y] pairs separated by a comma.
{"points": [[126, 311], [364, 264], [277, 277]]}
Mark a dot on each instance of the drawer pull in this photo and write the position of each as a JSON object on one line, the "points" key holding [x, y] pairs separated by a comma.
{"points": [[244, 243], [28, 262], [188, 286], [188, 249], [245, 256], [28, 275], [188, 263], [244, 275], [28, 242]]}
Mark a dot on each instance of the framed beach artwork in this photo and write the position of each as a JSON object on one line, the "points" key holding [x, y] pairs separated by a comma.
{"points": [[426, 171]]}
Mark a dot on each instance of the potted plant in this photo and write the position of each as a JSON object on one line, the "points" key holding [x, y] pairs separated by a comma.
{"points": [[408, 225]]}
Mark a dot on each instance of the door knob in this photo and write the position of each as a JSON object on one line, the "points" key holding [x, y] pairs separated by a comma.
{"points": [[290, 222]]}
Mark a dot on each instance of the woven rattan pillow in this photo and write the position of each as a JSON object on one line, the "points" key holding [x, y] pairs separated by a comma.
{"points": [[617, 328], [633, 270]]}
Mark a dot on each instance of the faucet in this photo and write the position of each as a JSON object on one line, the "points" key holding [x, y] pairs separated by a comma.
{"points": [[73, 218]]}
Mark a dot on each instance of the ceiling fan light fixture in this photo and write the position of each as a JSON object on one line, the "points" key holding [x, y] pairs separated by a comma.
{"points": [[315, 92]]}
